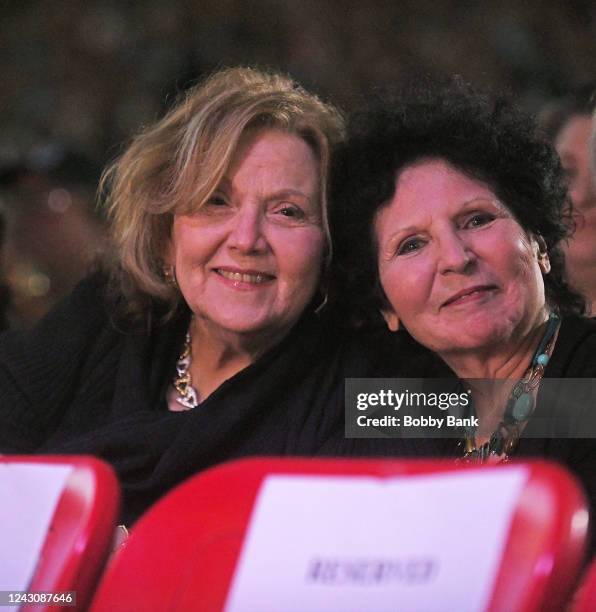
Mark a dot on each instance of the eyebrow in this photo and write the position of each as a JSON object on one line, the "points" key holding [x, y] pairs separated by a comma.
{"points": [[494, 200], [227, 184], [288, 192]]}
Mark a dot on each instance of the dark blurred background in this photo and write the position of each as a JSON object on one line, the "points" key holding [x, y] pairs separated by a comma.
{"points": [[79, 77]]}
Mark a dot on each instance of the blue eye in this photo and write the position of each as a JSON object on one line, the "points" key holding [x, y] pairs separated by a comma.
{"points": [[216, 200], [479, 219], [410, 246], [289, 211]]}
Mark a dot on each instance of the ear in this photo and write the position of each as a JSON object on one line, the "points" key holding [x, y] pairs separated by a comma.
{"points": [[391, 318], [168, 265], [544, 263], [542, 254]]}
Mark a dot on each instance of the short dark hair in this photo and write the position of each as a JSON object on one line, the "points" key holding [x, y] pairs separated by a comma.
{"points": [[482, 135]]}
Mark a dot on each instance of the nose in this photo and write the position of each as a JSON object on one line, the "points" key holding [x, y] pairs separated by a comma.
{"points": [[247, 231], [454, 254]]}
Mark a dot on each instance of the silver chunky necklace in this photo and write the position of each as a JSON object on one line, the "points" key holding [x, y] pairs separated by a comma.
{"points": [[187, 394]]}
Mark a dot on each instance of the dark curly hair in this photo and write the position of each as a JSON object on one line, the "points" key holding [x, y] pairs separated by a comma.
{"points": [[482, 135]]}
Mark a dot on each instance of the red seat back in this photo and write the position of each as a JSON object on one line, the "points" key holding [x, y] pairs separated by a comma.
{"points": [[183, 553], [585, 600], [81, 531]]}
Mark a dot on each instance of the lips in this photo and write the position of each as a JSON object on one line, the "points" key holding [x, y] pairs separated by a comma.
{"points": [[468, 294], [252, 277]]}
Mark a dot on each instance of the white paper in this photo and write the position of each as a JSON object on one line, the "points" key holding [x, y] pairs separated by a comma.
{"points": [[429, 542], [28, 497]]}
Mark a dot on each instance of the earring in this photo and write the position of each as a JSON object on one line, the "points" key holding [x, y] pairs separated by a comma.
{"points": [[169, 274], [544, 263], [543, 260], [322, 305], [391, 319]]}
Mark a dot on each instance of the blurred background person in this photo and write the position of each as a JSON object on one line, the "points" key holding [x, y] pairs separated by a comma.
{"points": [[593, 147], [568, 124], [53, 232]]}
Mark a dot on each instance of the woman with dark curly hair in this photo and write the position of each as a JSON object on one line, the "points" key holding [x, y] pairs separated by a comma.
{"points": [[449, 212]]}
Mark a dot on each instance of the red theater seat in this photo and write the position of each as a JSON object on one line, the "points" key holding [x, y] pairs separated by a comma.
{"points": [[81, 530], [183, 553], [585, 600]]}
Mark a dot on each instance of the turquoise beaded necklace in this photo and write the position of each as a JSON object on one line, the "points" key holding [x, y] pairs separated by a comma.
{"points": [[520, 406]]}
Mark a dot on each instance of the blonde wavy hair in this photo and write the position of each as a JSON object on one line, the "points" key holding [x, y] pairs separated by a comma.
{"points": [[175, 165]]}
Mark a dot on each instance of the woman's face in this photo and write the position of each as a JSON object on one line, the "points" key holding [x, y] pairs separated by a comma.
{"points": [[573, 146], [458, 270], [249, 260]]}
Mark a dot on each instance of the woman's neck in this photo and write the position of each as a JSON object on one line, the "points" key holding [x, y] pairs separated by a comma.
{"points": [[492, 374], [217, 356], [500, 361]]}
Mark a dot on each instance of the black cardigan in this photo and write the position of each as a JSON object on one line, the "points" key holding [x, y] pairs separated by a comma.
{"points": [[77, 383], [574, 357]]}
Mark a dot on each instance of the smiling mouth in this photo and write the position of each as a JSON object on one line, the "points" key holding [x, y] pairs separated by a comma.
{"points": [[469, 294], [253, 278]]}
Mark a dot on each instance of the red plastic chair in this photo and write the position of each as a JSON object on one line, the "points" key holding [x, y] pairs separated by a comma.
{"points": [[81, 531], [182, 554], [585, 600]]}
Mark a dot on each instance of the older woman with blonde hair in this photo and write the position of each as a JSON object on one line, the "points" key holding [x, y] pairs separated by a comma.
{"points": [[200, 342]]}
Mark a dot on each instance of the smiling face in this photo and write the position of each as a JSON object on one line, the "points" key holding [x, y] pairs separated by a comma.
{"points": [[248, 261], [458, 270]]}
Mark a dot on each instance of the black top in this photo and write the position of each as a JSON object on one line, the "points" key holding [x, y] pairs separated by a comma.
{"points": [[574, 356], [81, 383]]}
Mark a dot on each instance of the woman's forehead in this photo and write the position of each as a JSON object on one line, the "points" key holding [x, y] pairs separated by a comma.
{"points": [[273, 149], [436, 181]]}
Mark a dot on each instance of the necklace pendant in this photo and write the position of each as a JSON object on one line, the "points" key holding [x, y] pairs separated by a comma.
{"points": [[517, 390], [189, 399], [518, 409], [523, 407], [182, 383]]}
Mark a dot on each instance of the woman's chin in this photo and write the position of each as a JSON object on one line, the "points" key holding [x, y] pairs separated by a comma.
{"points": [[472, 338]]}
